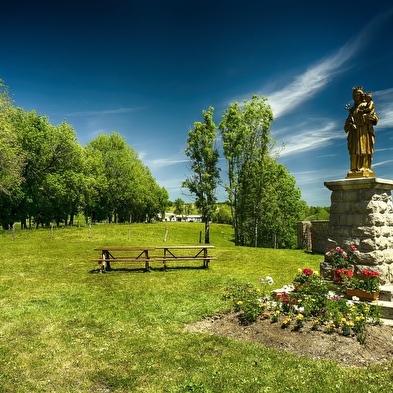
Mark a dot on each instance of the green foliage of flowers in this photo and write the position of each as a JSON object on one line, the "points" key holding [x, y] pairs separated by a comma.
{"points": [[341, 259], [303, 275], [368, 281], [248, 299], [315, 301]]}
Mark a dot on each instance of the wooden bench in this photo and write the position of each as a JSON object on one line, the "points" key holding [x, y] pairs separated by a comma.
{"points": [[195, 253], [143, 254]]}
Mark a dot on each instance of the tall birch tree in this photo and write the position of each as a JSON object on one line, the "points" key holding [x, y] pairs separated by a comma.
{"points": [[203, 154]]}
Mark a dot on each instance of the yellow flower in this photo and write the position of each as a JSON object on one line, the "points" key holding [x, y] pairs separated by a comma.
{"points": [[299, 317], [239, 302], [316, 273]]}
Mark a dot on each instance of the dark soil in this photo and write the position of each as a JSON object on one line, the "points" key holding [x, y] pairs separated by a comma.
{"points": [[346, 351]]}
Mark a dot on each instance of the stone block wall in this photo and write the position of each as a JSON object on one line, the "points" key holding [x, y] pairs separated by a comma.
{"points": [[304, 238], [361, 213], [319, 233], [312, 235]]}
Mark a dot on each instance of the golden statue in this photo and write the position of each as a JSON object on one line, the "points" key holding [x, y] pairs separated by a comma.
{"points": [[359, 126]]}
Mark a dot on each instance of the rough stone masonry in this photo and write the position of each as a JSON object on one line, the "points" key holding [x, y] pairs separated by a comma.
{"points": [[361, 213]]}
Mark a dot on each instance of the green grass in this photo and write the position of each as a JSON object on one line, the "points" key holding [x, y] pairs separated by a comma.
{"points": [[65, 327]]}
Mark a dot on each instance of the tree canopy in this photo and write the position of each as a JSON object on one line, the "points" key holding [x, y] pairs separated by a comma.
{"points": [[263, 197], [204, 158], [47, 176]]}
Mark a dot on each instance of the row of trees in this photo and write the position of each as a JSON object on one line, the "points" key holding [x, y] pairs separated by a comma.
{"points": [[265, 202], [47, 176]]}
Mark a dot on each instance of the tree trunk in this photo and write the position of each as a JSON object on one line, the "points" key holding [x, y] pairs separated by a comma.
{"points": [[256, 233], [207, 231]]}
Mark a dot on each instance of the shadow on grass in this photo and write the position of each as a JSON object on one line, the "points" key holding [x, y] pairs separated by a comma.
{"points": [[143, 270]]}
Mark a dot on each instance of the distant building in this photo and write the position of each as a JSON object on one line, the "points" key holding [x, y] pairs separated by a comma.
{"points": [[171, 217]]}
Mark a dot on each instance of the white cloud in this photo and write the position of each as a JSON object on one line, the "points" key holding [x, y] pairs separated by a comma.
{"points": [[164, 162], [384, 94], [103, 112], [384, 107], [382, 163], [309, 136], [306, 85]]}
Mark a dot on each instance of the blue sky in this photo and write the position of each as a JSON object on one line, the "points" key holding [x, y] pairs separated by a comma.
{"points": [[147, 69]]}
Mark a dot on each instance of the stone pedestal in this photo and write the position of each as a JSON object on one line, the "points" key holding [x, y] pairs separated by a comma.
{"points": [[361, 213]]}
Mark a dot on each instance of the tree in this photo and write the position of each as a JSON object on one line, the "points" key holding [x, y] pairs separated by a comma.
{"points": [[179, 206], [11, 154], [204, 158], [246, 144], [53, 172], [222, 214], [261, 192], [281, 207], [120, 188]]}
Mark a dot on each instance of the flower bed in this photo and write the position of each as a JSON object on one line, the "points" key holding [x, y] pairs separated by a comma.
{"points": [[317, 301]]}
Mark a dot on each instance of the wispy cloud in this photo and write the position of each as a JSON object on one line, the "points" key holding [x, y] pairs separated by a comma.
{"points": [[104, 112], [306, 178], [382, 163], [305, 86], [163, 162], [383, 94], [384, 107], [309, 136]]}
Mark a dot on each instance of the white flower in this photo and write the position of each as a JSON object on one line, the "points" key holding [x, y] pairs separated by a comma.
{"points": [[269, 280], [330, 294], [299, 309], [355, 298]]}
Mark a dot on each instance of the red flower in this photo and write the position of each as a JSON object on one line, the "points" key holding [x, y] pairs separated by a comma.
{"points": [[347, 272], [369, 273], [307, 271]]}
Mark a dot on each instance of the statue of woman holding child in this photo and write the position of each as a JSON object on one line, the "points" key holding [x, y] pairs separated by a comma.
{"points": [[360, 129]]}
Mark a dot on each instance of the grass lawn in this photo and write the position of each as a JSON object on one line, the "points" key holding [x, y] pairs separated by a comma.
{"points": [[65, 327]]}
